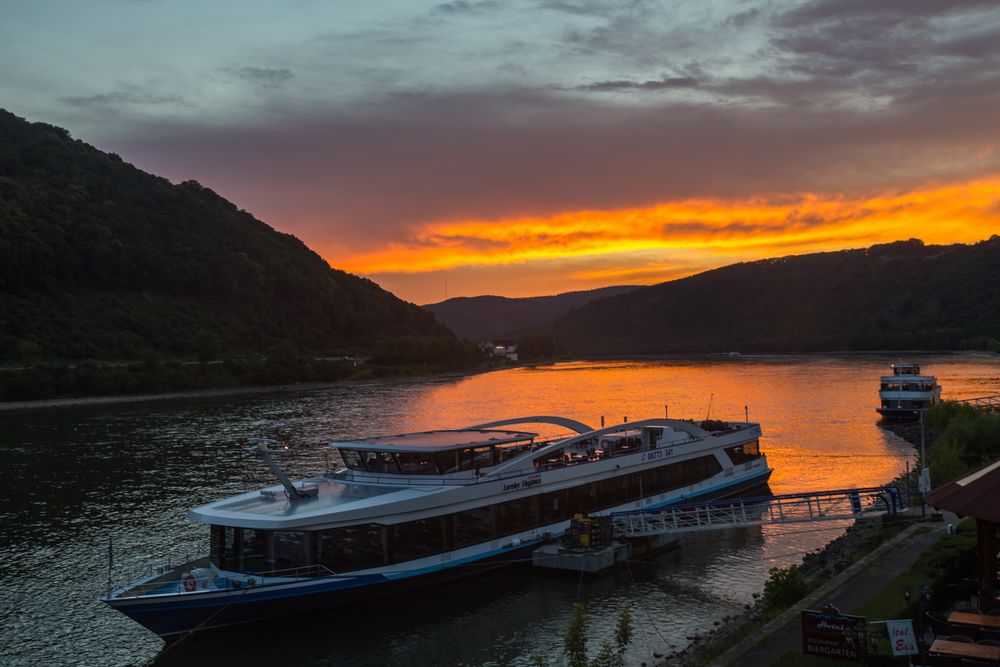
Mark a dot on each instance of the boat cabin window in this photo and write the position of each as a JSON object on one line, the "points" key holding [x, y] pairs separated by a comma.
{"points": [[380, 462], [352, 459], [417, 463], [511, 450], [744, 453], [432, 463]]}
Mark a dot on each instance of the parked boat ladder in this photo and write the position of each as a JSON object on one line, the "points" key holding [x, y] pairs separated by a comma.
{"points": [[837, 505]]}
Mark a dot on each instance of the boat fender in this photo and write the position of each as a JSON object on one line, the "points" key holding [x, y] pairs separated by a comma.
{"points": [[189, 581], [251, 582]]}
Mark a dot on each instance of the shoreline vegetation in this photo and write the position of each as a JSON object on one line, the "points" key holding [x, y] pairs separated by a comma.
{"points": [[958, 439]]}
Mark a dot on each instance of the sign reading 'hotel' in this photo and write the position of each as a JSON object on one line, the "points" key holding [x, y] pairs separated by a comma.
{"points": [[834, 635]]}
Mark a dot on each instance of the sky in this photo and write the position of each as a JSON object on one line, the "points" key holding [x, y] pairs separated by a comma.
{"points": [[534, 147]]}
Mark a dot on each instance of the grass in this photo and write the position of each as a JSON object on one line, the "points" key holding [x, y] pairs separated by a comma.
{"points": [[946, 556]]}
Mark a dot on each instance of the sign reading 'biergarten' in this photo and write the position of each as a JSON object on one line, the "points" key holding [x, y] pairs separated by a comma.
{"points": [[834, 635]]}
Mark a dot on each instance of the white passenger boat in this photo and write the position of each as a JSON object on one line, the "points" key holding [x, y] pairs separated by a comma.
{"points": [[907, 393], [414, 509]]}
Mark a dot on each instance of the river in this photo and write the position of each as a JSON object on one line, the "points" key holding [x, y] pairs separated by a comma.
{"points": [[72, 476]]}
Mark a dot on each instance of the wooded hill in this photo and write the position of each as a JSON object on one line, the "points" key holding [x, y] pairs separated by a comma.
{"points": [[99, 260], [896, 296], [497, 317]]}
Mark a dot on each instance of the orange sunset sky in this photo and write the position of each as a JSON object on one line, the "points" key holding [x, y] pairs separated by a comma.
{"points": [[539, 146]]}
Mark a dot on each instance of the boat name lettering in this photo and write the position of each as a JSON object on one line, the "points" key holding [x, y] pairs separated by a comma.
{"points": [[658, 454], [523, 484]]}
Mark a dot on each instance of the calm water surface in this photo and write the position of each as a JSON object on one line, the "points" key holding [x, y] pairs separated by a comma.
{"points": [[72, 476]]}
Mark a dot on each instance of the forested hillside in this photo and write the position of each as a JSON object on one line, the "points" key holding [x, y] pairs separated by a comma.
{"points": [[493, 317], [897, 296], [101, 261]]}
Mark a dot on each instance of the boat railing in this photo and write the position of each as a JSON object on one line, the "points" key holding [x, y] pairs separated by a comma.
{"points": [[180, 579]]}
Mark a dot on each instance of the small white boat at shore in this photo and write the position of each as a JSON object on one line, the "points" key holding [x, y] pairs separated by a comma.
{"points": [[906, 393]]}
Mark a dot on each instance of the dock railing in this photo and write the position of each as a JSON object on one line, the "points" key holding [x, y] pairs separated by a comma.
{"points": [[789, 508], [984, 403]]}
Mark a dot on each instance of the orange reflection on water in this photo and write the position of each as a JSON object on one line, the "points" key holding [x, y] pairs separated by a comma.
{"points": [[817, 413]]}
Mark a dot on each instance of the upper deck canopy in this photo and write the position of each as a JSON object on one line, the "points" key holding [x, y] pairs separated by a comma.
{"points": [[436, 441]]}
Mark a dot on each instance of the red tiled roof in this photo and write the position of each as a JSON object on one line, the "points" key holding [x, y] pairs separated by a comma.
{"points": [[976, 494]]}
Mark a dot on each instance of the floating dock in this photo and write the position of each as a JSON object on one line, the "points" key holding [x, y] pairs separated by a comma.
{"points": [[591, 561]]}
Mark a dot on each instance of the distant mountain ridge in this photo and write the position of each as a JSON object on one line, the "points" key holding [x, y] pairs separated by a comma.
{"points": [[99, 260], [895, 296], [495, 317]]}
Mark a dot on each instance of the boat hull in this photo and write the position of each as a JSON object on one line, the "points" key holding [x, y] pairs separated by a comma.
{"points": [[173, 615], [899, 414]]}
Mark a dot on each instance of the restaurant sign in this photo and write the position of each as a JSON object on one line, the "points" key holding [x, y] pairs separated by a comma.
{"points": [[830, 634]]}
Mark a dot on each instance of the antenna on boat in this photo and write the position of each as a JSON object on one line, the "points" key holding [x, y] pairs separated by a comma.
{"points": [[666, 411], [746, 413], [709, 413], [293, 492]]}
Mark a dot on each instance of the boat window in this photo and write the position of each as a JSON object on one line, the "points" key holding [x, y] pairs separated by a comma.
{"points": [[252, 550], [475, 525], [519, 514], [476, 457], [222, 550], [613, 491], [743, 453], [352, 459], [381, 462], [289, 549], [420, 538], [510, 450], [446, 462], [417, 463], [353, 547]]}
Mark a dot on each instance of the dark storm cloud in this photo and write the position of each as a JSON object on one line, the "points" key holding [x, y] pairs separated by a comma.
{"points": [[598, 8], [466, 7], [983, 44], [744, 18], [826, 10], [664, 83], [262, 77], [128, 96]]}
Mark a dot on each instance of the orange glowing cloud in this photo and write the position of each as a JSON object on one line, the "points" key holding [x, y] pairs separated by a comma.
{"points": [[648, 244]]}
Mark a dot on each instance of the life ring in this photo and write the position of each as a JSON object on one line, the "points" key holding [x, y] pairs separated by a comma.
{"points": [[189, 581]]}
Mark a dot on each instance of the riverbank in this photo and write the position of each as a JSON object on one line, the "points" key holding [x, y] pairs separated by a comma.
{"points": [[818, 568], [838, 560], [114, 399]]}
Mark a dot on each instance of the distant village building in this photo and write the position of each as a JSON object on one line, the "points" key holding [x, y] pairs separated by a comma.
{"points": [[500, 349]]}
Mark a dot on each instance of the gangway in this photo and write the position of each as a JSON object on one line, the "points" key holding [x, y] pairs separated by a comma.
{"points": [[833, 505]]}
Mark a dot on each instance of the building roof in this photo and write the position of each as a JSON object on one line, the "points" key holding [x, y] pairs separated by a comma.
{"points": [[977, 494], [436, 441]]}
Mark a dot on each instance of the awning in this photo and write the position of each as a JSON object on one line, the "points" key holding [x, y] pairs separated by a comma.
{"points": [[977, 494]]}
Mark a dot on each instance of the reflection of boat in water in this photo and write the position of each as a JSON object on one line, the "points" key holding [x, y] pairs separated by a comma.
{"points": [[413, 509], [906, 393]]}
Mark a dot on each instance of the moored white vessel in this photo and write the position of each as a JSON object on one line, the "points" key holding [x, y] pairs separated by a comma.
{"points": [[413, 509], [907, 392]]}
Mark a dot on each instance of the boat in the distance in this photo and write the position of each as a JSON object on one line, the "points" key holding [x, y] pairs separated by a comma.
{"points": [[414, 509], [907, 393]]}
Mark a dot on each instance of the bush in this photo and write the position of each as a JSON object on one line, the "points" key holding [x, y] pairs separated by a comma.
{"points": [[785, 586]]}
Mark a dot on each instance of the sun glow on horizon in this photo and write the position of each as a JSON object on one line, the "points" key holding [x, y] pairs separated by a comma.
{"points": [[590, 248]]}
